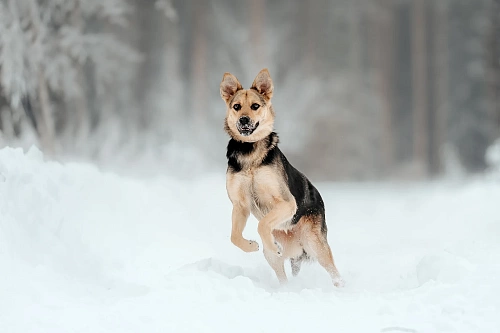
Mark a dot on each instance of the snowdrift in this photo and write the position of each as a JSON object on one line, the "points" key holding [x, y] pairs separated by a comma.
{"points": [[87, 251]]}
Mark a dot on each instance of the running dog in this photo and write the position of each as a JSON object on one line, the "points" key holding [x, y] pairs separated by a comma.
{"points": [[261, 181]]}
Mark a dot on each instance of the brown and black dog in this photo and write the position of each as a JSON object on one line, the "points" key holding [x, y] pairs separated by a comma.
{"points": [[261, 181]]}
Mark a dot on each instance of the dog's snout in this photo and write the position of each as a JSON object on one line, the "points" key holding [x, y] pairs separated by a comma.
{"points": [[244, 120]]}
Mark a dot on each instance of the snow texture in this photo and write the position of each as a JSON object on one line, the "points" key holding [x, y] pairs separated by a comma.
{"points": [[87, 251]]}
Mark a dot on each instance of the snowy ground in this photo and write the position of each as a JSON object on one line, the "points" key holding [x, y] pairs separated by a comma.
{"points": [[84, 251]]}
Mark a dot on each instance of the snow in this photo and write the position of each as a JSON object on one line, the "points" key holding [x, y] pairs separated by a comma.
{"points": [[82, 250]]}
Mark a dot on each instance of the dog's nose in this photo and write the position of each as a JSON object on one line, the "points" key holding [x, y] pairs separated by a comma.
{"points": [[244, 120]]}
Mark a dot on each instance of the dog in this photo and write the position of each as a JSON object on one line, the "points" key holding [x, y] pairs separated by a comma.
{"points": [[261, 181]]}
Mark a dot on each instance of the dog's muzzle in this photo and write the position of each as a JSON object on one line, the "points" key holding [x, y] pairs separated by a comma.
{"points": [[245, 126]]}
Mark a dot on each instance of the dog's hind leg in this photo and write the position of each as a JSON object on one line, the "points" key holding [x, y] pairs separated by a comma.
{"points": [[277, 263], [295, 263], [317, 247], [325, 259]]}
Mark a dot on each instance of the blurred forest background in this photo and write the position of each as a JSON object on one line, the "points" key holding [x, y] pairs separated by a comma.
{"points": [[380, 89]]}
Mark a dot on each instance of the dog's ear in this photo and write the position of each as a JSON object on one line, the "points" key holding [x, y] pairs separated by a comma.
{"points": [[229, 86], [263, 84]]}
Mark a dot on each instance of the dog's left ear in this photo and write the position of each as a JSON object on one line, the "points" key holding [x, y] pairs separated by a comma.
{"points": [[229, 86], [263, 84]]}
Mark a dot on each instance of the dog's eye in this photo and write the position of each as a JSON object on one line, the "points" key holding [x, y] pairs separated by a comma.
{"points": [[255, 106], [237, 107]]}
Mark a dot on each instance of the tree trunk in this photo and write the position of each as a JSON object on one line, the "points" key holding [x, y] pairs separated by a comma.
{"points": [[493, 65], [384, 62], [44, 115], [257, 34], [310, 13], [199, 73], [45, 120], [419, 81], [355, 55], [79, 102], [440, 79]]}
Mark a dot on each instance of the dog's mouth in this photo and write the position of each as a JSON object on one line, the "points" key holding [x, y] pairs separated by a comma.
{"points": [[247, 129]]}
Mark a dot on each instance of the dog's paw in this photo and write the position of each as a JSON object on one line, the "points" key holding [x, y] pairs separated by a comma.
{"points": [[251, 246], [339, 282]]}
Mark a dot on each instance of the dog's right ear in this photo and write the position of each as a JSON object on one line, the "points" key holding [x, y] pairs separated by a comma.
{"points": [[229, 86], [263, 84]]}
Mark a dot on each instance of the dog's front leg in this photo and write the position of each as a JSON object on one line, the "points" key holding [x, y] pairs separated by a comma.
{"points": [[240, 217], [282, 211]]}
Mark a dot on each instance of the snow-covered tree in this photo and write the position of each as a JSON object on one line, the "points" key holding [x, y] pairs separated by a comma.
{"points": [[53, 55]]}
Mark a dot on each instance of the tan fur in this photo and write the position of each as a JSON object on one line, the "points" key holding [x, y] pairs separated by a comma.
{"points": [[261, 190], [232, 93], [306, 235]]}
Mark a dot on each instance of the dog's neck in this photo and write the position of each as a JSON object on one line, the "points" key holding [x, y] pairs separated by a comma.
{"points": [[245, 155]]}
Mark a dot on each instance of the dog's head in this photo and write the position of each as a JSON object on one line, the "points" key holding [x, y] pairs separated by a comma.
{"points": [[249, 115]]}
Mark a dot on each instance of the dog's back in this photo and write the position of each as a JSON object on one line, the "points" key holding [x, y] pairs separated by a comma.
{"points": [[309, 201]]}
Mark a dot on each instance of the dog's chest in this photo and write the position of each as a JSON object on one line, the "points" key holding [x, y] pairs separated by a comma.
{"points": [[260, 187], [263, 193]]}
